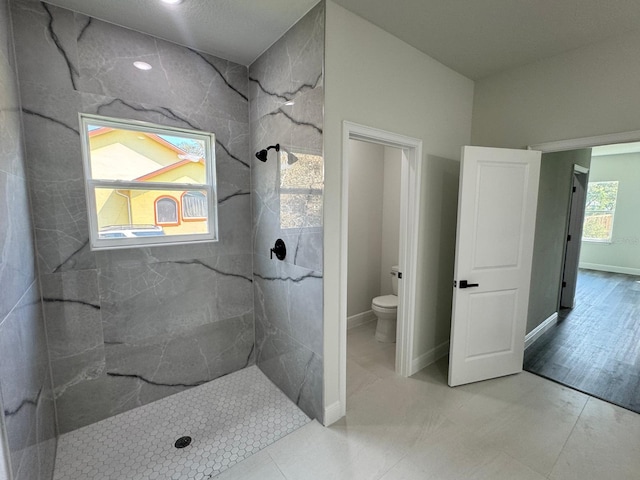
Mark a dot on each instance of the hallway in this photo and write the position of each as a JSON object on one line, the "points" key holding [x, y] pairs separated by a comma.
{"points": [[595, 347]]}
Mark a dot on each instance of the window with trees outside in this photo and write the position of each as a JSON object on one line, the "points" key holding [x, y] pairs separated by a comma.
{"points": [[599, 211], [147, 184]]}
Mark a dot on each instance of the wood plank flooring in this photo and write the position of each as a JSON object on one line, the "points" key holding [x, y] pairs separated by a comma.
{"points": [[595, 348]]}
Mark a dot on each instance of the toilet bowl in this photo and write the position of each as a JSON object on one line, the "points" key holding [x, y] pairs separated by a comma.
{"points": [[385, 308]]}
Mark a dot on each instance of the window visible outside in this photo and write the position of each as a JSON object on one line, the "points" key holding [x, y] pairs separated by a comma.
{"points": [[599, 211], [147, 184], [301, 188]]}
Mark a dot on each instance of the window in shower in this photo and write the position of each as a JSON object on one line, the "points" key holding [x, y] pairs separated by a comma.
{"points": [[301, 188], [148, 184]]}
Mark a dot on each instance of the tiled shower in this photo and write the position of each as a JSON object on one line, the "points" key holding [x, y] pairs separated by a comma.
{"points": [[100, 333]]}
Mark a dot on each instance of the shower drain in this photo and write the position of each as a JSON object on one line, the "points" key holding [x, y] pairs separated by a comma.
{"points": [[182, 442]]}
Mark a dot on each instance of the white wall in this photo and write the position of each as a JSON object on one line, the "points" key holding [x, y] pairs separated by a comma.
{"points": [[589, 91], [623, 253], [375, 79], [366, 184], [374, 222], [390, 216]]}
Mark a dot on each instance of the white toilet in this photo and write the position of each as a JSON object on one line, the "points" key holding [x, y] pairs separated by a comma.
{"points": [[385, 308]]}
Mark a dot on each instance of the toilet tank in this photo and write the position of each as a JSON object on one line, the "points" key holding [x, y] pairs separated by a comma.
{"points": [[394, 279]]}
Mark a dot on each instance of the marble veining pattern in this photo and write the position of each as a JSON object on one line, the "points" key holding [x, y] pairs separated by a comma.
{"points": [[290, 67], [228, 419], [25, 387], [286, 107], [27, 417], [127, 327]]}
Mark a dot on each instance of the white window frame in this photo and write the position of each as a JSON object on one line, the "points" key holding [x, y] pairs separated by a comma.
{"points": [[91, 184], [612, 211]]}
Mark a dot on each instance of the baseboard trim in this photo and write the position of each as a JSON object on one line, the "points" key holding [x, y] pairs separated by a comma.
{"points": [[360, 319], [332, 413], [537, 332], [610, 268], [429, 357]]}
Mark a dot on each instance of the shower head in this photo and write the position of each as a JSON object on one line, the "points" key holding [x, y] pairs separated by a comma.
{"points": [[262, 154]]}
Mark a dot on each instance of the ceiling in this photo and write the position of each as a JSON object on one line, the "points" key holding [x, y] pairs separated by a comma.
{"points": [[237, 30], [474, 37]]}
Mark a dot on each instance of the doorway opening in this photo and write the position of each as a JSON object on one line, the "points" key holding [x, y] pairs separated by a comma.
{"points": [[373, 257], [590, 341], [409, 154]]}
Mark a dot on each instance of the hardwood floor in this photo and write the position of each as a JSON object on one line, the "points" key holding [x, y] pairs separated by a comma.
{"points": [[595, 348]]}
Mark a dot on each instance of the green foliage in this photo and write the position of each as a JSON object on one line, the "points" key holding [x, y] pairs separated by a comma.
{"points": [[601, 203], [601, 196]]}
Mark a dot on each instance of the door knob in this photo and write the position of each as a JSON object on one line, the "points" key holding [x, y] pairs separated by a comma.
{"points": [[466, 284]]}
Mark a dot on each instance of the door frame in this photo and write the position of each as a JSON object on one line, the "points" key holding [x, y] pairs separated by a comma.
{"points": [[587, 142], [572, 251], [562, 146], [411, 180]]}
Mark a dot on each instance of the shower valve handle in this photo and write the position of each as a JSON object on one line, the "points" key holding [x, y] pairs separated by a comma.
{"points": [[280, 249]]}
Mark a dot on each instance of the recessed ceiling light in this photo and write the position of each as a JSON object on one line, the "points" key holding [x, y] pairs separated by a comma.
{"points": [[142, 65], [172, 2]]}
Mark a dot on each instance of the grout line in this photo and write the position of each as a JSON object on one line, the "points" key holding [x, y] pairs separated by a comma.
{"points": [[569, 436], [277, 466]]}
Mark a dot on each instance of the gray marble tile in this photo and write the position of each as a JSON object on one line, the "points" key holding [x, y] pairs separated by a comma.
{"points": [[11, 147], [25, 383], [94, 400], [298, 129], [180, 76], [72, 370], [289, 298], [72, 312], [11, 153], [296, 370], [304, 245], [62, 230], [52, 138], [45, 44], [143, 301], [46, 432], [69, 63], [138, 373], [185, 359], [17, 255], [293, 65], [288, 294], [234, 223]]}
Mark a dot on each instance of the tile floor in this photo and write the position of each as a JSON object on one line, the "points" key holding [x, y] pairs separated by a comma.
{"points": [[229, 419], [512, 428]]}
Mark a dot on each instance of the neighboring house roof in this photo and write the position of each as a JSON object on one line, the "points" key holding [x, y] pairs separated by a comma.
{"points": [[166, 169], [152, 136], [144, 166]]}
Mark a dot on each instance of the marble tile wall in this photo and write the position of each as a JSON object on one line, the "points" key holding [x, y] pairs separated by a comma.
{"points": [[127, 327], [27, 417], [286, 107]]}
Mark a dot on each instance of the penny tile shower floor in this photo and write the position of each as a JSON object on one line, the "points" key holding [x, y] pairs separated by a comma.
{"points": [[229, 419]]}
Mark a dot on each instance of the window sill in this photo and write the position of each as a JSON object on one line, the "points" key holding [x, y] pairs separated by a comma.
{"points": [[604, 242]]}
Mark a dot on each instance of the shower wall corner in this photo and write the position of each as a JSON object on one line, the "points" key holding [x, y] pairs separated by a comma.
{"points": [[286, 107]]}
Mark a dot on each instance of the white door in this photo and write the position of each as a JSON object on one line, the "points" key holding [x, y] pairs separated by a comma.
{"points": [[496, 223]]}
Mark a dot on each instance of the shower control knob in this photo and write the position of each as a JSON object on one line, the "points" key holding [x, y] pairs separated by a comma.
{"points": [[280, 249]]}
